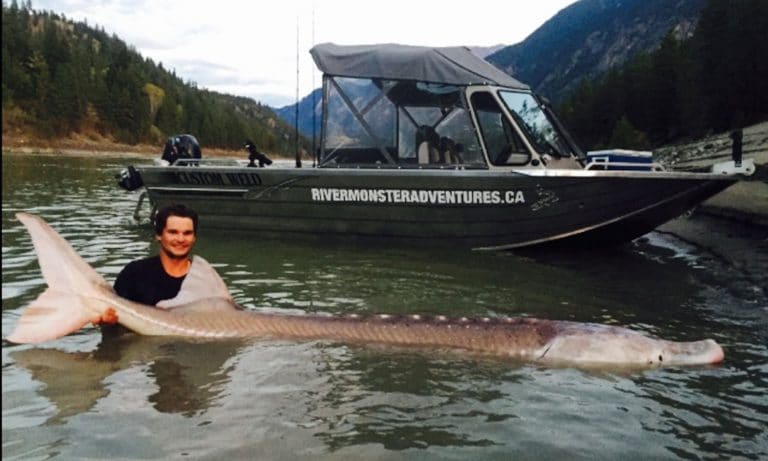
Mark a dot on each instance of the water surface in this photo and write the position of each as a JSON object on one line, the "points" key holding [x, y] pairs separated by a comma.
{"points": [[131, 397]]}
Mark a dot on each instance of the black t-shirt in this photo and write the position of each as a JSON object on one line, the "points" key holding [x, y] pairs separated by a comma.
{"points": [[145, 281]]}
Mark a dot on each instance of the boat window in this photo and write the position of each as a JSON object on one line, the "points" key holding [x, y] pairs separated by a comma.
{"points": [[504, 145], [360, 122], [401, 123], [457, 127], [447, 136], [534, 120]]}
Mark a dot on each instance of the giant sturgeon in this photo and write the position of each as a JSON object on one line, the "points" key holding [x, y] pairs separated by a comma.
{"points": [[204, 308]]}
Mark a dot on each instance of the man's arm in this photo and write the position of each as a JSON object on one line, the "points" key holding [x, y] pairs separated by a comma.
{"points": [[122, 288]]}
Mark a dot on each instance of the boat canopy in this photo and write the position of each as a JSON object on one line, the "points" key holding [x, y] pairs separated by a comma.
{"points": [[412, 106], [443, 65]]}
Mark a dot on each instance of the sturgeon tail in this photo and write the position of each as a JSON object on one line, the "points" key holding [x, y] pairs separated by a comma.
{"points": [[75, 293]]}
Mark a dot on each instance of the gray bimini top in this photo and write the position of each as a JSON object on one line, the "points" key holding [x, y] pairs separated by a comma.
{"points": [[443, 65]]}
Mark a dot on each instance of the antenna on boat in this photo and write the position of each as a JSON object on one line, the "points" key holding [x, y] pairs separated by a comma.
{"points": [[314, 103], [296, 119]]}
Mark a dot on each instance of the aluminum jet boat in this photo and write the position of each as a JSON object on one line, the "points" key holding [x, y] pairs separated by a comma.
{"points": [[436, 145]]}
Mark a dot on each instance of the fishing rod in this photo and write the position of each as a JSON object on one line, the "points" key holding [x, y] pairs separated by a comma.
{"points": [[296, 118]]}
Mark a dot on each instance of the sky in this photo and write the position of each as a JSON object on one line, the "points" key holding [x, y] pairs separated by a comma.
{"points": [[252, 48]]}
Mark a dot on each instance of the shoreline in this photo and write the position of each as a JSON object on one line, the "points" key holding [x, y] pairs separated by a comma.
{"points": [[111, 150], [746, 202], [121, 151], [743, 249]]}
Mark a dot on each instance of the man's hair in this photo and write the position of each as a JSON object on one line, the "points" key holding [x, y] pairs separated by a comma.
{"points": [[161, 218]]}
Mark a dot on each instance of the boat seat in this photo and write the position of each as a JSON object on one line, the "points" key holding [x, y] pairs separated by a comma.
{"points": [[427, 145], [450, 151]]}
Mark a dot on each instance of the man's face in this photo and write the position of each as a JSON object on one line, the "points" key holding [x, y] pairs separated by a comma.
{"points": [[178, 237]]}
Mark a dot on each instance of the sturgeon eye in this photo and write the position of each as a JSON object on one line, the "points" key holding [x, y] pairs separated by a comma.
{"points": [[661, 359]]}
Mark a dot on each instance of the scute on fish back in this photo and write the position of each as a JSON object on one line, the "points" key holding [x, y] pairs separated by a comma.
{"points": [[204, 308]]}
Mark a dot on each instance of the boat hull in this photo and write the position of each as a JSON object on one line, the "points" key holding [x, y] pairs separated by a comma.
{"points": [[476, 208]]}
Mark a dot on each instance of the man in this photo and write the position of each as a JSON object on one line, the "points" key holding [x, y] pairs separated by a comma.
{"points": [[151, 280]]}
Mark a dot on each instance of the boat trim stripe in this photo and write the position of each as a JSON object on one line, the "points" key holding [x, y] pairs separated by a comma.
{"points": [[199, 190], [510, 246]]}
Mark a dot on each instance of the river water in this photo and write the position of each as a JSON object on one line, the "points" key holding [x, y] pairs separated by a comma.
{"points": [[81, 397]]}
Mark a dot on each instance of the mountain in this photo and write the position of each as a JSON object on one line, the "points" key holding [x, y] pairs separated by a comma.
{"points": [[583, 40], [592, 36], [288, 114], [485, 51], [712, 82]]}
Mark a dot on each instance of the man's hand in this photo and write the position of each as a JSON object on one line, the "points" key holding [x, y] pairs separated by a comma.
{"points": [[109, 317]]}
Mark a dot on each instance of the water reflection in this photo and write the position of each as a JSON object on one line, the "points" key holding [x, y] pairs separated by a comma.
{"points": [[404, 400], [190, 376], [599, 286]]}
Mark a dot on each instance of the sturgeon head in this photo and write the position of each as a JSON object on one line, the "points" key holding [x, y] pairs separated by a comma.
{"points": [[597, 344]]}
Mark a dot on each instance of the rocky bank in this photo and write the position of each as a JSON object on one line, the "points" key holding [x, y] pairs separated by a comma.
{"points": [[733, 225], [746, 201]]}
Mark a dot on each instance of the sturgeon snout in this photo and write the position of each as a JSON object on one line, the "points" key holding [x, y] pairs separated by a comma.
{"points": [[691, 353]]}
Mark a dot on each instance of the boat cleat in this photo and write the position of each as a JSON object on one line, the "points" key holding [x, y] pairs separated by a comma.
{"points": [[746, 167]]}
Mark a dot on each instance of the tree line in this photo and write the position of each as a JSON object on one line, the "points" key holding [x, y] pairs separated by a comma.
{"points": [[714, 81], [61, 76]]}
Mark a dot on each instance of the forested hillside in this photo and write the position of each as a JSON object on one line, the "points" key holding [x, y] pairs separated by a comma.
{"points": [[714, 81], [60, 77], [590, 37]]}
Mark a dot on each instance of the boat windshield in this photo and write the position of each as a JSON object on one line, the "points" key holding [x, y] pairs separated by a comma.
{"points": [[540, 129]]}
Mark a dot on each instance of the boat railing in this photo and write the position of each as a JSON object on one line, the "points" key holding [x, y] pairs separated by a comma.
{"points": [[404, 166], [204, 162], [606, 163]]}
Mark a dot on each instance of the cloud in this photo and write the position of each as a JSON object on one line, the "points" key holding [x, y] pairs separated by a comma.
{"points": [[215, 73], [247, 49]]}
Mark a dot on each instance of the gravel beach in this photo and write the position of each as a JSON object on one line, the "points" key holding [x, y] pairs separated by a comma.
{"points": [[746, 201]]}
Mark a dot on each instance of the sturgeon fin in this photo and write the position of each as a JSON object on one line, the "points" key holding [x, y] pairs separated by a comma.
{"points": [[63, 269], [75, 290], [202, 282], [52, 315]]}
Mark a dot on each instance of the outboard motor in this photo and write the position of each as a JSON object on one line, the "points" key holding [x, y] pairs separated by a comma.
{"points": [[129, 179], [181, 146]]}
